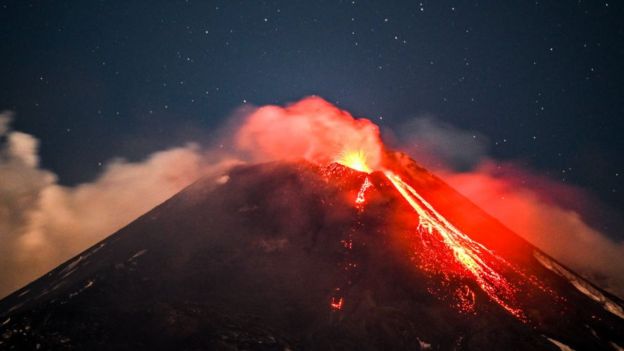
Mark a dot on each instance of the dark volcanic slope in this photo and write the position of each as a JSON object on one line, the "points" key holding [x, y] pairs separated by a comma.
{"points": [[255, 263]]}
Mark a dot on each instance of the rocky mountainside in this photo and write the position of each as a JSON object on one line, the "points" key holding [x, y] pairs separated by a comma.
{"points": [[289, 256]]}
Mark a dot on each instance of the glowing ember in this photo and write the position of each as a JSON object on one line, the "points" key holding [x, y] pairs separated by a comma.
{"points": [[355, 160], [470, 255], [348, 244], [336, 303]]}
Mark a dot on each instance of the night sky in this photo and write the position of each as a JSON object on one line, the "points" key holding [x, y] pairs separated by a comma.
{"points": [[544, 81]]}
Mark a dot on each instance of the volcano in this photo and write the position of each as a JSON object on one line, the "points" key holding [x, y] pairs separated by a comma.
{"points": [[293, 255]]}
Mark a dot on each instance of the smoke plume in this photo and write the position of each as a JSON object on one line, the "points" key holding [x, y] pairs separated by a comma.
{"points": [[43, 223], [312, 129]]}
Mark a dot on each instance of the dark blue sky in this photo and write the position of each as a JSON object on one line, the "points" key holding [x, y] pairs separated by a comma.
{"points": [[544, 81]]}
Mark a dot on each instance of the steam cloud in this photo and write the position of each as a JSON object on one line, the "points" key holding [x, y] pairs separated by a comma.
{"points": [[43, 223]]}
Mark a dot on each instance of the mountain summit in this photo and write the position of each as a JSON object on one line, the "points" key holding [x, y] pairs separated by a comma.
{"points": [[291, 255]]}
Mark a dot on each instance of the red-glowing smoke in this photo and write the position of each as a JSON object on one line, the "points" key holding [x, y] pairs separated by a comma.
{"points": [[532, 207], [556, 217], [312, 129]]}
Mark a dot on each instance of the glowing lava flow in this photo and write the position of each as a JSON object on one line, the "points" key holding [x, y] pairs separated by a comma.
{"points": [[468, 253], [360, 199], [349, 265], [445, 248]]}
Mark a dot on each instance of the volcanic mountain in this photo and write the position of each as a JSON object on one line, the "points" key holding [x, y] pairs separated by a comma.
{"points": [[293, 255]]}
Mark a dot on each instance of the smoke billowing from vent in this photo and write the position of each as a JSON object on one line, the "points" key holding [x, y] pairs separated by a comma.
{"points": [[312, 129]]}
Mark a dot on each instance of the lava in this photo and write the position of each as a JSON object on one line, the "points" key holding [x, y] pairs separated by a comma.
{"points": [[360, 199], [469, 254], [447, 249]]}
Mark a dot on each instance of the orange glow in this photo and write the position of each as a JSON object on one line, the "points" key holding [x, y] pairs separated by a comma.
{"points": [[473, 258], [356, 160]]}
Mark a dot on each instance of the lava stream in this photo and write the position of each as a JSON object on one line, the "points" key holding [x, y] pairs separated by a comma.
{"points": [[360, 199], [468, 253]]}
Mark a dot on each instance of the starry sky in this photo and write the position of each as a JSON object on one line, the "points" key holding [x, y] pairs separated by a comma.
{"points": [[544, 81]]}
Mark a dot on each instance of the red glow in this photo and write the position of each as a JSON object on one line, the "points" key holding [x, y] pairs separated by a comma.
{"points": [[546, 213]]}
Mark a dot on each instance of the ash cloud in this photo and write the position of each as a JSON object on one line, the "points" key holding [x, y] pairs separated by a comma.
{"points": [[550, 215], [43, 223]]}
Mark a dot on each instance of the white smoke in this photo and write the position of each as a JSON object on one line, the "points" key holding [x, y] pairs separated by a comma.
{"points": [[43, 223]]}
